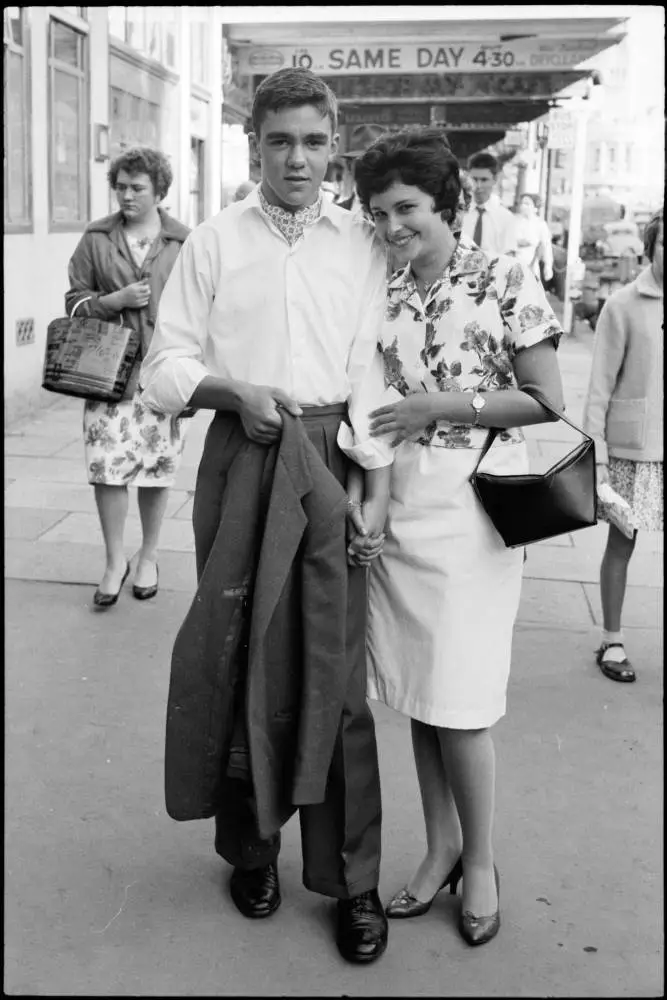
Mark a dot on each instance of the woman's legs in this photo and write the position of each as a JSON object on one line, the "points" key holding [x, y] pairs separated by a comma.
{"points": [[613, 577], [152, 505], [112, 509], [443, 829], [469, 758]]}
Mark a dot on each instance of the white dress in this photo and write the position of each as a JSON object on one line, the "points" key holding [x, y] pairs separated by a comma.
{"points": [[444, 594]]}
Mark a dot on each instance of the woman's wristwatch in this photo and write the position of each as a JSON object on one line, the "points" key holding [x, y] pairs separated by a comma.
{"points": [[478, 403]]}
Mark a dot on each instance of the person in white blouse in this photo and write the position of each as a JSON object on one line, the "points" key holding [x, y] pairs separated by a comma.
{"points": [[487, 222], [276, 304], [534, 239]]}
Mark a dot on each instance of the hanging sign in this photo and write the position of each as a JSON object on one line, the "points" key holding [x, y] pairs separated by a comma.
{"points": [[533, 54], [561, 129]]}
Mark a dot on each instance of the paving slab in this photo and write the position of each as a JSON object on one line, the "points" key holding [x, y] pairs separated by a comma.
{"points": [[39, 445], [83, 563], [106, 896], [642, 608], [175, 536], [556, 602], [29, 523], [72, 496], [46, 469], [583, 564]]}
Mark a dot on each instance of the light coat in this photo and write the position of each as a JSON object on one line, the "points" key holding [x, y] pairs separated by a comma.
{"points": [[623, 411], [102, 263]]}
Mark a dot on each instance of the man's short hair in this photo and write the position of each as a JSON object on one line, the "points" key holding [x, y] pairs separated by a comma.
{"points": [[483, 161], [651, 234], [292, 88]]}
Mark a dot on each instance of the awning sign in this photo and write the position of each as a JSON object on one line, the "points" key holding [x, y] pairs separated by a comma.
{"points": [[533, 54]]}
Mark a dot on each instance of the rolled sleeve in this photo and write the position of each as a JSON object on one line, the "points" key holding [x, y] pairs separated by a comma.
{"points": [[527, 316], [174, 364], [366, 376]]}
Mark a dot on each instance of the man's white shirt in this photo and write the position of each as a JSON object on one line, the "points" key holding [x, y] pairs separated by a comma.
{"points": [[498, 226], [242, 304]]}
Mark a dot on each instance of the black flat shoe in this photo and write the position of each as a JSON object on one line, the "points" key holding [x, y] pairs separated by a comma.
{"points": [[361, 933], [256, 893], [404, 904], [145, 593], [104, 601], [479, 930], [615, 670]]}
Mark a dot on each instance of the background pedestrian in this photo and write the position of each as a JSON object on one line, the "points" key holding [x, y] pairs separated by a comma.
{"points": [[624, 415], [117, 273]]}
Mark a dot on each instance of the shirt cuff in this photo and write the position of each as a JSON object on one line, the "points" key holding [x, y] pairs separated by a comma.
{"points": [[169, 388], [369, 454]]}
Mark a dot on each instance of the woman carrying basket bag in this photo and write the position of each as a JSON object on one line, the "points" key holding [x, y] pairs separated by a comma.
{"points": [[117, 273]]}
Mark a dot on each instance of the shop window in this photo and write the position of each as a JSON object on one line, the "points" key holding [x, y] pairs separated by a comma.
{"points": [[597, 161], [149, 30], [628, 158], [612, 159], [68, 133], [196, 181], [16, 119]]}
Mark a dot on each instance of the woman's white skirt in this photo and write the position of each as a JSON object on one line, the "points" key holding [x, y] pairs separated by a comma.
{"points": [[444, 594]]}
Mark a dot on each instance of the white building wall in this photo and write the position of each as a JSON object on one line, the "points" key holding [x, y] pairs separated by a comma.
{"points": [[35, 263]]}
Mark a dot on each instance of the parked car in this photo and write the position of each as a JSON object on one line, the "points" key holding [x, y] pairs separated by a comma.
{"points": [[618, 239]]}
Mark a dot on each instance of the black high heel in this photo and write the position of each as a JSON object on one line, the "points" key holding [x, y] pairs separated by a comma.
{"points": [[145, 593], [478, 930], [104, 601], [404, 904]]}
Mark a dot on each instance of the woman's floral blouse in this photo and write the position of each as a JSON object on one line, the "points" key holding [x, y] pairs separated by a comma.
{"points": [[475, 319]]}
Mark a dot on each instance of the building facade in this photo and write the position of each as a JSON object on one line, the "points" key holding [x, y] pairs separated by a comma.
{"points": [[81, 84]]}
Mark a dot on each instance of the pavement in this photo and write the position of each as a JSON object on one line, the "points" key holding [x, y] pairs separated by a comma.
{"points": [[106, 896]]}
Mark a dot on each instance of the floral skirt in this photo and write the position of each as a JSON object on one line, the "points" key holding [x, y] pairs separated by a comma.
{"points": [[127, 444], [641, 485]]}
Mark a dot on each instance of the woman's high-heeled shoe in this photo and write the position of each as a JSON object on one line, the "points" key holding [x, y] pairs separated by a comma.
{"points": [[404, 904], [104, 601], [478, 930], [145, 593]]}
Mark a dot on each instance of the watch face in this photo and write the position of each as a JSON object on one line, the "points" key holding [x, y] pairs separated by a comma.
{"points": [[478, 402]]}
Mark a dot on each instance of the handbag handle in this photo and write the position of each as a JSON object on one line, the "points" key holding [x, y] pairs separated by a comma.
{"points": [[87, 298], [541, 398]]}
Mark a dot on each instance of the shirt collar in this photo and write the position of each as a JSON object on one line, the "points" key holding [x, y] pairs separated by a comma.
{"points": [[466, 259], [327, 210], [647, 285]]}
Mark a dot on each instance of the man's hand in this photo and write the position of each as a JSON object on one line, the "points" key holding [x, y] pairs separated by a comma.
{"points": [[602, 473], [136, 296], [402, 419], [259, 410]]}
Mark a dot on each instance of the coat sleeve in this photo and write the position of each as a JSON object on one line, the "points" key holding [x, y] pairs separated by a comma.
{"points": [[84, 287], [608, 353]]}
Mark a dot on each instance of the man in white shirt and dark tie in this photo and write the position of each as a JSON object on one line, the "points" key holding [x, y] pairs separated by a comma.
{"points": [[275, 306], [488, 223]]}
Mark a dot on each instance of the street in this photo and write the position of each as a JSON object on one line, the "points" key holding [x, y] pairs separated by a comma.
{"points": [[107, 896]]}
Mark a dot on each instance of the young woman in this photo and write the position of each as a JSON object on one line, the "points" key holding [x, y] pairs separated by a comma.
{"points": [[624, 415], [534, 239], [466, 338], [118, 271]]}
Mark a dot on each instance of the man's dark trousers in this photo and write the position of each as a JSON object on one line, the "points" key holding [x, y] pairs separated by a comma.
{"points": [[341, 836]]}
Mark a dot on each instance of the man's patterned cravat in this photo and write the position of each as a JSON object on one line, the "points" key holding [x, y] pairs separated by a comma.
{"points": [[291, 224]]}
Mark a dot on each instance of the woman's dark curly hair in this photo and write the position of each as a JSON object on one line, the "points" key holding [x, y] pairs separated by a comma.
{"points": [[651, 234], [417, 156], [144, 160]]}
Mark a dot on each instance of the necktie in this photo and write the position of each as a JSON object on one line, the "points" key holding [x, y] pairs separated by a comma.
{"points": [[477, 235]]}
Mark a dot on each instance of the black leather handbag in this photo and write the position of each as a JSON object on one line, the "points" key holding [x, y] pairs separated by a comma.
{"points": [[533, 507]]}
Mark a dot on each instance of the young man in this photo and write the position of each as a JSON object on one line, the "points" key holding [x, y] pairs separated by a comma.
{"points": [[273, 312], [487, 222]]}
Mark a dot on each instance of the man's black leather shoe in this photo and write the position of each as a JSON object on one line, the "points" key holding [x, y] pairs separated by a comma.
{"points": [[256, 893], [362, 928]]}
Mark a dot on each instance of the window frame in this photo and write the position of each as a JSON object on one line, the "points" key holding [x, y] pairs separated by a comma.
{"points": [[26, 225], [83, 76]]}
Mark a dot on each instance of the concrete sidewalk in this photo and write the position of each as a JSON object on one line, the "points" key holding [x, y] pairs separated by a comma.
{"points": [[106, 896]]}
